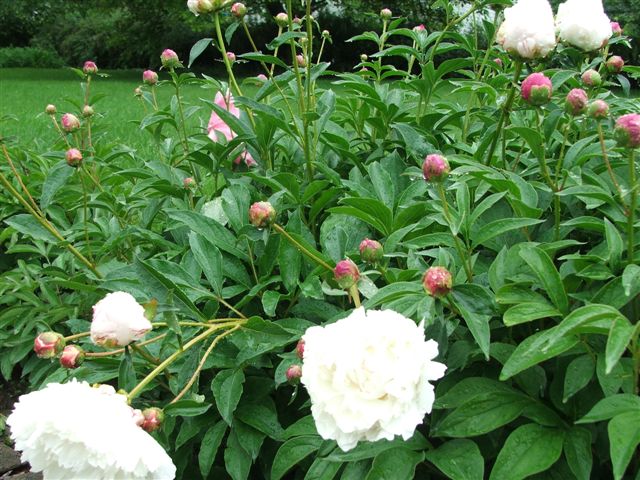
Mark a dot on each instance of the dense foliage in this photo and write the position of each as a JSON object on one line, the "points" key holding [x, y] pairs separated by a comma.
{"points": [[537, 223]]}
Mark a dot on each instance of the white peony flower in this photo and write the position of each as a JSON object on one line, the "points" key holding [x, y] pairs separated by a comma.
{"points": [[528, 30], [368, 376], [199, 6], [583, 24], [118, 320], [75, 431]]}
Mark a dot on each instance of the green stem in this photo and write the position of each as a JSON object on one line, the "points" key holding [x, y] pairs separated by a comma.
{"points": [[462, 252], [385, 23], [632, 205], [355, 294], [301, 248], [605, 157], [225, 59]]}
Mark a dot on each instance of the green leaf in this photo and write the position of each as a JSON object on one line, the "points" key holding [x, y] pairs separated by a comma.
{"points": [[533, 139], [260, 57], [630, 277], [186, 408], [210, 260], [529, 449], [292, 452], [322, 469], [366, 450], [394, 463], [476, 306], [28, 225], [467, 389], [227, 389], [237, 460], [577, 451], [126, 372], [458, 459], [527, 312], [209, 447], [548, 275], [612, 406], [620, 335], [263, 417], [498, 227], [290, 262], [578, 375], [57, 176], [615, 245], [270, 301], [624, 437], [198, 48]]}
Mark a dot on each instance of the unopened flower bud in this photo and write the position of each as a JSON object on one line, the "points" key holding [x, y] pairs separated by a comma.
{"points": [[238, 10], [326, 34], [262, 77], [300, 349], [576, 102], [437, 281], [536, 89], [50, 109], [73, 157], [149, 77], [385, 14], [137, 92], [598, 109], [616, 29], [364, 57], [90, 68], [231, 57], [498, 62], [70, 122], [297, 20], [346, 274], [72, 356], [615, 64], [188, 183], [87, 111], [48, 344], [435, 168], [294, 372], [282, 19], [591, 78], [371, 251], [153, 418], [301, 61], [198, 7], [627, 131], [419, 28], [170, 59], [262, 214]]}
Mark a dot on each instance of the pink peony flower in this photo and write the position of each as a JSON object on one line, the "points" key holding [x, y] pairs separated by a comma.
{"points": [[598, 109], [170, 59], [238, 10], [73, 157], [386, 14], [371, 251], [435, 168], [616, 29], [90, 68], [218, 128], [294, 372], [591, 78], [70, 122], [615, 64], [627, 131], [437, 281], [48, 344], [231, 56], [262, 214], [576, 102], [72, 356], [537, 89], [282, 19], [346, 274], [149, 77], [419, 28]]}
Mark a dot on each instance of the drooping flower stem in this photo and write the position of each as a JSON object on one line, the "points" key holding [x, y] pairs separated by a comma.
{"points": [[225, 58], [462, 252], [301, 248], [506, 110], [605, 157], [275, 53], [633, 192]]}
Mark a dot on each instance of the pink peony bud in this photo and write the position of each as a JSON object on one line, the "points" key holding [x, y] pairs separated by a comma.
{"points": [[87, 111], [301, 61], [435, 168], [48, 344], [498, 62], [90, 68], [346, 274], [137, 92], [536, 89], [616, 28], [149, 77], [615, 64], [294, 372], [231, 57], [300, 349], [576, 102], [170, 59], [153, 418], [262, 77], [73, 157], [297, 20], [262, 214], [385, 14], [70, 122], [598, 109], [72, 356], [371, 251], [50, 109], [189, 183], [591, 78], [419, 28], [627, 131], [282, 19], [238, 10], [437, 281]]}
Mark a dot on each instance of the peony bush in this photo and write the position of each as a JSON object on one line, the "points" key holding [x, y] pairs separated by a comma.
{"points": [[427, 267]]}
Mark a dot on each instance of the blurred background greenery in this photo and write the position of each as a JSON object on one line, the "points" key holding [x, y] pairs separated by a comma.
{"points": [[131, 33]]}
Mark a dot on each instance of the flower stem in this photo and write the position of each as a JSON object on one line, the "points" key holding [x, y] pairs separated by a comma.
{"points": [[632, 205], [19, 178], [462, 253], [605, 157], [301, 248], [120, 350], [355, 294], [225, 59]]}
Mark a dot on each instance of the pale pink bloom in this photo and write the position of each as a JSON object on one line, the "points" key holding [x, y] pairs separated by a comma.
{"points": [[218, 128]]}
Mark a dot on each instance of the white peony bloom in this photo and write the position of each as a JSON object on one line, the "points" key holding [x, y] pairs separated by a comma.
{"points": [[583, 24], [118, 320], [528, 30], [368, 376], [75, 431], [199, 6]]}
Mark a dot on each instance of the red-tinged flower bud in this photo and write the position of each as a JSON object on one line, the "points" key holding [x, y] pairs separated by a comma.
{"points": [[189, 183], [598, 109], [419, 28], [616, 28], [170, 59], [385, 14], [437, 281], [72, 356], [87, 111], [153, 418], [149, 77], [346, 274], [591, 78], [498, 62], [371, 251], [48, 344], [301, 61], [364, 57], [627, 131], [50, 109], [70, 122], [300, 349], [536, 89], [231, 57], [576, 102], [262, 215], [294, 372], [297, 20], [615, 64], [90, 68], [73, 157], [282, 19], [137, 92], [262, 77], [238, 10], [435, 168]]}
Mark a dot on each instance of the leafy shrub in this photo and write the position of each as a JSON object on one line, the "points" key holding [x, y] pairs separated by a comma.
{"points": [[29, 57]]}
